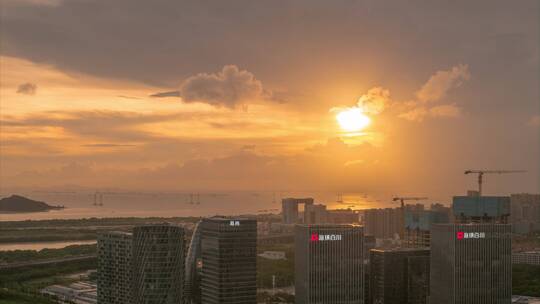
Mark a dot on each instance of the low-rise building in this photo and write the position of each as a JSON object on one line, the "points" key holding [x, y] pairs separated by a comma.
{"points": [[273, 255], [527, 257], [525, 300], [78, 293]]}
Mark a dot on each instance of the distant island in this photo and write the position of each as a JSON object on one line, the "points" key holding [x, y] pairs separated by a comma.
{"points": [[20, 204]]}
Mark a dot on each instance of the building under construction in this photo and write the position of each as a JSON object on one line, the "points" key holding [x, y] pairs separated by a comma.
{"points": [[418, 223], [481, 209]]}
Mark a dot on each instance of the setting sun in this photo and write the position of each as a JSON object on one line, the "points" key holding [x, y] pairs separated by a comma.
{"points": [[353, 119]]}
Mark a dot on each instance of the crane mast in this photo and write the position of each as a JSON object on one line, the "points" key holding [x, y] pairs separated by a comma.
{"points": [[482, 172]]}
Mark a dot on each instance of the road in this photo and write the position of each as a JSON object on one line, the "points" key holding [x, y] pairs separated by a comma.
{"points": [[47, 261]]}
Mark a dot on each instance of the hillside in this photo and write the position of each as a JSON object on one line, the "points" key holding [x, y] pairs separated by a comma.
{"points": [[17, 203]]}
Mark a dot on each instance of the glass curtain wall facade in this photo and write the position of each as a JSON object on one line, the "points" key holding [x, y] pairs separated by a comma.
{"points": [[114, 268], [471, 263], [229, 261], [158, 264], [329, 264]]}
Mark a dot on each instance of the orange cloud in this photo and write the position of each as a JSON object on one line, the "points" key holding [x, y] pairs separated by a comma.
{"points": [[231, 87], [27, 88], [434, 90], [450, 110], [438, 85], [417, 114], [420, 113], [375, 101], [534, 121]]}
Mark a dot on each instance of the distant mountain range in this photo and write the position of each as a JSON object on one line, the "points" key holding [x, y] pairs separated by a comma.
{"points": [[20, 204]]}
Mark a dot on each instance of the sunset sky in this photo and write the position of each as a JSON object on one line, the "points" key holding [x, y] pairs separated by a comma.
{"points": [[243, 95]]}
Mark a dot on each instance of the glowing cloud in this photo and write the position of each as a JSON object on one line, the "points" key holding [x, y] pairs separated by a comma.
{"points": [[440, 83], [374, 101]]}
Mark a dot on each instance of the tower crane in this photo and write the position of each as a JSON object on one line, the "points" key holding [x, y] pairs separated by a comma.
{"points": [[482, 172]]}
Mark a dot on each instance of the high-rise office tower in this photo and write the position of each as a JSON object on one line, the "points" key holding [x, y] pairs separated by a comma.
{"points": [[289, 208], [471, 260], [315, 214], [192, 291], [158, 264], [370, 242], [329, 264], [418, 275], [525, 215], [229, 261], [342, 216], [114, 268], [367, 282], [382, 223], [471, 263], [399, 276]]}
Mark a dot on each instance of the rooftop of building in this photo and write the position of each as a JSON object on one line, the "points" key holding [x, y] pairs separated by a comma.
{"points": [[528, 252], [525, 299], [328, 225], [157, 224], [344, 210], [228, 219], [483, 197], [116, 233], [401, 249], [472, 224], [526, 194], [297, 198]]}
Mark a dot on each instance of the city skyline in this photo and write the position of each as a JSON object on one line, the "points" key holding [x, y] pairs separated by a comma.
{"points": [[260, 152], [470, 254]]}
